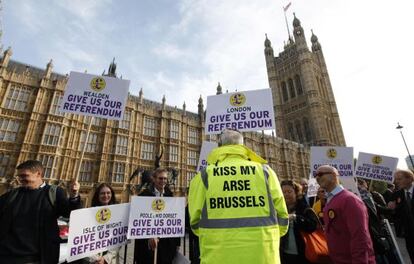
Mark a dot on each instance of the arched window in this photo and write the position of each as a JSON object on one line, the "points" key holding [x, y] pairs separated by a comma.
{"points": [[298, 84], [299, 131], [308, 132], [284, 92], [291, 89]]}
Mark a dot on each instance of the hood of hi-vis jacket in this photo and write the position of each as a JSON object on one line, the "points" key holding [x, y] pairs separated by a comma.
{"points": [[220, 153]]}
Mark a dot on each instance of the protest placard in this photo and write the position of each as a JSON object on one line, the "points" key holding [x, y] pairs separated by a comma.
{"points": [[313, 187], [92, 95], [97, 229], [156, 217], [376, 167], [350, 184], [206, 148], [341, 158], [244, 111]]}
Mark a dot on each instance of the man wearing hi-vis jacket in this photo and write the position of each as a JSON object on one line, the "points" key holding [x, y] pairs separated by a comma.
{"points": [[236, 206]]}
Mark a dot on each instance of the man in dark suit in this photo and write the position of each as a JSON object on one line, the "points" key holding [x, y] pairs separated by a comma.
{"points": [[403, 206], [166, 247]]}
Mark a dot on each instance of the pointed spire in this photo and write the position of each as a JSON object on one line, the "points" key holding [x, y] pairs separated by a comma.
{"points": [[316, 46], [50, 63], [201, 109], [140, 96], [6, 57], [163, 102], [296, 21], [219, 89], [314, 38], [267, 42], [112, 69], [49, 68], [184, 106]]}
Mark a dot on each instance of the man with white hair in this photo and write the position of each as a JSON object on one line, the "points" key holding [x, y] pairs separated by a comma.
{"points": [[236, 206]]}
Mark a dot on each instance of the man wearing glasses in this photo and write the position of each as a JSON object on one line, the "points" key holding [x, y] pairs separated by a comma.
{"points": [[166, 247], [236, 206], [346, 221]]}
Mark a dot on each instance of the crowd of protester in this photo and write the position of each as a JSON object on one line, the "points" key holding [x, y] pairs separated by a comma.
{"points": [[355, 228]]}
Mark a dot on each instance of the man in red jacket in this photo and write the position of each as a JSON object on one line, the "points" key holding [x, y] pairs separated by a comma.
{"points": [[346, 221]]}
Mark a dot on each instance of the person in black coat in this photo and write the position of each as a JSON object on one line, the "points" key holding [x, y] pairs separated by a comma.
{"points": [[29, 232], [166, 247], [380, 240], [403, 206], [301, 218]]}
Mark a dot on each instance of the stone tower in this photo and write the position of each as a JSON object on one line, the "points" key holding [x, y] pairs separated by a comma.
{"points": [[304, 103]]}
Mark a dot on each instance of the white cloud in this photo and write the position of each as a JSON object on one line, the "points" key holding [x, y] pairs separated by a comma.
{"points": [[85, 10], [367, 47]]}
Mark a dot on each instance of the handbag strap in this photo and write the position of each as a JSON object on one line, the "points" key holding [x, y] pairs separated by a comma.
{"points": [[317, 217]]}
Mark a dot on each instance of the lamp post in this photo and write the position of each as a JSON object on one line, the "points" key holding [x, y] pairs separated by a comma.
{"points": [[399, 127]]}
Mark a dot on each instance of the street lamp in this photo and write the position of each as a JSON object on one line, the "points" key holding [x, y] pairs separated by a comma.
{"points": [[399, 127]]}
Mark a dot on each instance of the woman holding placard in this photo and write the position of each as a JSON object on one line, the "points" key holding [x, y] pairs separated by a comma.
{"points": [[104, 195]]}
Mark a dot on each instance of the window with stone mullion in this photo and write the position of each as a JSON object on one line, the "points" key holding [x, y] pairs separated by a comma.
{"points": [[55, 109], [126, 120], [17, 98], [51, 134], [150, 127], [118, 172], [147, 151], [86, 171], [192, 157], [192, 136], [9, 129], [47, 162], [121, 145], [92, 144], [4, 163], [174, 130], [173, 153]]}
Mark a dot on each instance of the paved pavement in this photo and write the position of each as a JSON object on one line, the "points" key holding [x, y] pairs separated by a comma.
{"points": [[130, 250]]}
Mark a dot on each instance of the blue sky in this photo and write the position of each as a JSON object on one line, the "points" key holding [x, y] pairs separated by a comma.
{"points": [[182, 48]]}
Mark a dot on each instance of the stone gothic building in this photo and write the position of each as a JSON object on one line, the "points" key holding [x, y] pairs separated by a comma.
{"points": [[32, 126], [303, 98]]}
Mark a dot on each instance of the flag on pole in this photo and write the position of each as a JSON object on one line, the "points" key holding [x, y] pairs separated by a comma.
{"points": [[287, 7]]}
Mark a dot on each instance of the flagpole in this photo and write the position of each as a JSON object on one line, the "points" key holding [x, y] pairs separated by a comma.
{"points": [[287, 25], [285, 8], [83, 148]]}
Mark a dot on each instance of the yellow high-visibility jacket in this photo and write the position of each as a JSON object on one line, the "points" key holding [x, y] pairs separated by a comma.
{"points": [[237, 208]]}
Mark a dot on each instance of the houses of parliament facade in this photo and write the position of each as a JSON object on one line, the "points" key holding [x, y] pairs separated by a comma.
{"points": [[33, 127]]}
